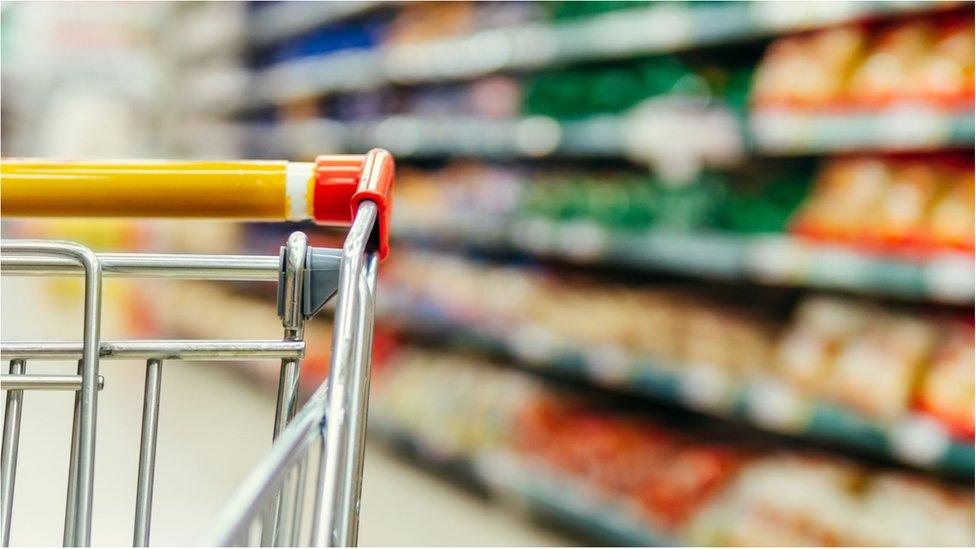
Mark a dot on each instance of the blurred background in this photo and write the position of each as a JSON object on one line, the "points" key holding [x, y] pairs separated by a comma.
{"points": [[693, 273]]}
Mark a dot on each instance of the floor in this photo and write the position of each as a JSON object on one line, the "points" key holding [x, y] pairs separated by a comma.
{"points": [[214, 425]]}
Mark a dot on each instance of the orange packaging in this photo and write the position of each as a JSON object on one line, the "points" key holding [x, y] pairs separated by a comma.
{"points": [[947, 391]]}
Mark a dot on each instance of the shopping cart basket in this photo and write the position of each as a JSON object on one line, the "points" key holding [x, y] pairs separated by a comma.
{"points": [[323, 442]]}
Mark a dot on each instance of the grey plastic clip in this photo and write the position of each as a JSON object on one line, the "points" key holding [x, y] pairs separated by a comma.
{"points": [[321, 279]]}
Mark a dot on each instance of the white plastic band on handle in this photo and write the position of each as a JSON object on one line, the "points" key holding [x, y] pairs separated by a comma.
{"points": [[298, 178]]}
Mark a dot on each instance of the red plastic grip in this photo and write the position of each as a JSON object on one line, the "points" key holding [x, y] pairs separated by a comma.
{"points": [[342, 182]]}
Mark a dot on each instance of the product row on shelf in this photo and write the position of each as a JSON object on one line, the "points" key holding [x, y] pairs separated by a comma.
{"points": [[889, 380], [283, 20], [923, 60], [465, 40], [898, 225], [638, 481], [660, 134], [442, 119], [825, 91], [844, 96], [663, 110]]}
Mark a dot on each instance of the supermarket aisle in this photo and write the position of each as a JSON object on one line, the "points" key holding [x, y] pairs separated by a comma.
{"points": [[214, 425]]}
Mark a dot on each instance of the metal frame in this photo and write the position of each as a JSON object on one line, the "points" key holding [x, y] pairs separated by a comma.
{"points": [[273, 494]]}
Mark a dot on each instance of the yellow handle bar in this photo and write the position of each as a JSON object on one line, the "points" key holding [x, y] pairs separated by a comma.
{"points": [[268, 190]]}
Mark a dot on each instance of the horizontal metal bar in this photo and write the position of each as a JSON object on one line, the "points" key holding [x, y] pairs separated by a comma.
{"points": [[43, 382], [162, 349], [187, 266]]}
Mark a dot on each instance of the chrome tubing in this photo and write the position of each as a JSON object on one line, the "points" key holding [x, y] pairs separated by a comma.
{"points": [[161, 349], [24, 258], [44, 382], [147, 453], [331, 526], [333, 418], [11, 443], [293, 322], [179, 266], [83, 464], [269, 502], [356, 436]]}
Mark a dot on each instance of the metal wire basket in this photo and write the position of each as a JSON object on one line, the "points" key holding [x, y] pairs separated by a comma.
{"points": [[319, 446]]}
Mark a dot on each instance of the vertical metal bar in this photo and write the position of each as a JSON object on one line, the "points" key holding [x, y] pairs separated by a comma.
{"points": [[287, 393], [147, 453], [346, 335], [298, 504], [11, 442], [84, 469], [320, 530], [293, 322], [286, 509], [89, 395], [71, 502], [287, 398], [352, 484]]}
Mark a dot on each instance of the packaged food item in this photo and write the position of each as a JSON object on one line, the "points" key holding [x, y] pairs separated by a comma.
{"points": [[696, 486], [876, 368], [580, 92], [687, 482], [947, 71], [906, 203], [846, 189], [809, 69], [875, 361], [947, 389], [927, 60], [904, 510], [608, 200], [914, 205], [419, 22], [950, 221], [806, 350], [892, 63], [459, 405]]}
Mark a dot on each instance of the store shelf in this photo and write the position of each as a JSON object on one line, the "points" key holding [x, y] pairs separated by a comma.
{"points": [[283, 20], [542, 492], [767, 403], [206, 31], [909, 127], [421, 136], [617, 136], [947, 277], [657, 29]]}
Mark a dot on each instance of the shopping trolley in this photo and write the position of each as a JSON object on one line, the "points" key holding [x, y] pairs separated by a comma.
{"points": [[320, 445]]}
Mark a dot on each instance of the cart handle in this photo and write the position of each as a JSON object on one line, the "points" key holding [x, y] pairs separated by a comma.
{"points": [[327, 191]]}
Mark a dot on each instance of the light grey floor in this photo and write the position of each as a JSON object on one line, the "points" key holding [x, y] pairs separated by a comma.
{"points": [[214, 424]]}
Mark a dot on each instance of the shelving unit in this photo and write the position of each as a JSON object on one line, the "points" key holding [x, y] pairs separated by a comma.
{"points": [[413, 137], [294, 107], [633, 32], [765, 403], [604, 137], [908, 127], [284, 20], [542, 493], [776, 133], [774, 259]]}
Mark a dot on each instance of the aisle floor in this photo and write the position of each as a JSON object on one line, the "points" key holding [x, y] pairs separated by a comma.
{"points": [[214, 425]]}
